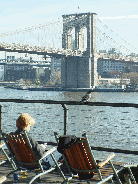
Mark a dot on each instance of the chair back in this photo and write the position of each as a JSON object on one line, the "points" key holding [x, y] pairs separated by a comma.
{"points": [[20, 148], [79, 158]]}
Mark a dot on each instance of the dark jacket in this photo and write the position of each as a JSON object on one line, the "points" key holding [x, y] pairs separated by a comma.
{"points": [[37, 149]]}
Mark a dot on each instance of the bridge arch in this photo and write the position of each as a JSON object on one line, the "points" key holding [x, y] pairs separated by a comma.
{"points": [[79, 21]]}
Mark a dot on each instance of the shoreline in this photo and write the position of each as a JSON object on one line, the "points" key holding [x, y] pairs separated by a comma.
{"points": [[15, 85], [50, 88]]}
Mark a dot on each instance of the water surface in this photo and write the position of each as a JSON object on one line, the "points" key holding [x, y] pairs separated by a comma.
{"points": [[111, 127]]}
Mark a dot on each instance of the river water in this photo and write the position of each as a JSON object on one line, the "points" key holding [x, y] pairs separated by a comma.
{"points": [[111, 127]]}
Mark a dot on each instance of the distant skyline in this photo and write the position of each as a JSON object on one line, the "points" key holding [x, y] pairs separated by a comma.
{"points": [[119, 16]]}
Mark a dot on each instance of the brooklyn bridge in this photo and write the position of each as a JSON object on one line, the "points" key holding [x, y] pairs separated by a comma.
{"points": [[78, 39]]}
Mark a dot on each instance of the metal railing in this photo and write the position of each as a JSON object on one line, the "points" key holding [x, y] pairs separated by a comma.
{"points": [[65, 108]]}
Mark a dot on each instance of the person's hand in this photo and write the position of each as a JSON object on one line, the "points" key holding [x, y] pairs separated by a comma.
{"points": [[43, 145]]}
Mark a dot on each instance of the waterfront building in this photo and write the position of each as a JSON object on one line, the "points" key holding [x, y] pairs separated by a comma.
{"points": [[120, 66], [1, 72], [134, 68], [16, 71], [42, 73], [55, 64], [114, 81], [109, 65]]}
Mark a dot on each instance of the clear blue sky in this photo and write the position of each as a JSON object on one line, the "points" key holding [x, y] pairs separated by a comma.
{"points": [[120, 16]]}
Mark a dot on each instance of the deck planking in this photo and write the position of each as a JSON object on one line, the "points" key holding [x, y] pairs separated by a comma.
{"points": [[49, 178]]}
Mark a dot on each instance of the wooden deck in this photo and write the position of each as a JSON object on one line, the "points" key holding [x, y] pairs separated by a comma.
{"points": [[53, 177]]}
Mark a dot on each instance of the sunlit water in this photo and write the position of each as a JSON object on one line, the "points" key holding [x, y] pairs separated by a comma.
{"points": [[113, 127]]}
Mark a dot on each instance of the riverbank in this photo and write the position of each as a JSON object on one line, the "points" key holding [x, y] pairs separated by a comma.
{"points": [[46, 88], [100, 88], [53, 88], [58, 89]]}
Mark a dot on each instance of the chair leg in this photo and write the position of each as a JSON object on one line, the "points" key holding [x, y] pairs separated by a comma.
{"points": [[88, 181], [41, 174], [62, 174], [37, 171], [127, 179], [64, 182], [9, 159], [131, 174], [99, 173], [115, 173], [111, 180]]}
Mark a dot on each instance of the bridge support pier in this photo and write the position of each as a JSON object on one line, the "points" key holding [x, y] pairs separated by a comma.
{"points": [[79, 72], [76, 72]]}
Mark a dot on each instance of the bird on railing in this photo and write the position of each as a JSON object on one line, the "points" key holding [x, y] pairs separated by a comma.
{"points": [[86, 97]]}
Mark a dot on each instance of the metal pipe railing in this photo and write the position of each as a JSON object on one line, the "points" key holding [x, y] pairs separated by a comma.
{"points": [[64, 105], [65, 117], [72, 103]]}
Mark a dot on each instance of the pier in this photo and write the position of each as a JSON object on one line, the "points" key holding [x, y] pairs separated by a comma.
{"points": [[54, 176]]}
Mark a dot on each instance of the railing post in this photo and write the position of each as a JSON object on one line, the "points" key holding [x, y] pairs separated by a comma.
{"points": [[0, 120], [65, 117]]}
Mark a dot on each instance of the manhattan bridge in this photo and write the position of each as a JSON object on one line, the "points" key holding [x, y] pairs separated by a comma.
{"points": [[79, 39]]}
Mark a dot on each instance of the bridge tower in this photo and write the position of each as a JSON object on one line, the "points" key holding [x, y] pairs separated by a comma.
{"points": [[79, 72]]}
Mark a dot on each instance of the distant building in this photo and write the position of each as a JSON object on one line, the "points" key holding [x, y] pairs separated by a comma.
{"points": [[1, 72], [113, 81], [15, 72], [102, 51], [43, 73], [11, 58], [40, 71], [112, 51], [55, 64], [110, 65], [134, 68]]}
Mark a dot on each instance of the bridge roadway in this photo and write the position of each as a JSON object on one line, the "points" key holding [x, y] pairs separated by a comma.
{"points": [[39, 64], [57, 55], [62, 53], [53, 52]]}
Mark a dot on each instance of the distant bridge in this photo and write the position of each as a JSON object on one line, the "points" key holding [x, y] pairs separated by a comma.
{"points": [[79, 39], [47, 39], [58, 53]]}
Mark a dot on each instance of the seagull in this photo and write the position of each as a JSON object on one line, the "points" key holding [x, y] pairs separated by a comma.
{"points": [[86, 97]]}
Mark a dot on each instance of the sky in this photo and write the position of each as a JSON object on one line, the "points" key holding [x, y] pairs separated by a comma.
{"points": [[119, 16]]}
